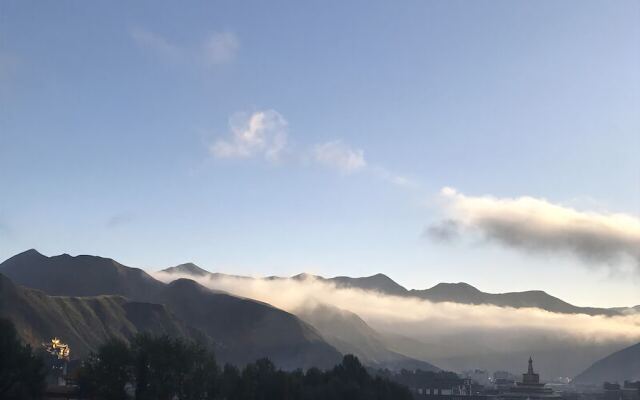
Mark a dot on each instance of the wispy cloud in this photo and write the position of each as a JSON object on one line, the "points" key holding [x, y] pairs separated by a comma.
{"points": [[394, 178], [218, 48], [536, 225], [337, 155], [221, 48], [262, 133], [265, 134], [156, 43]]}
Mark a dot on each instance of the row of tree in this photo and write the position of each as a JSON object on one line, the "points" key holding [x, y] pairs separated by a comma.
{"points": [[164, 368], [167, 368]]}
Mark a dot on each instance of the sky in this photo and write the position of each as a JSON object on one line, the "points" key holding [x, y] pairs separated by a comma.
{"points": [[490, 142]]}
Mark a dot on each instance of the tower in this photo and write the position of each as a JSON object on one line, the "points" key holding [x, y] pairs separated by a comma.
{"points": [[530, 378]]}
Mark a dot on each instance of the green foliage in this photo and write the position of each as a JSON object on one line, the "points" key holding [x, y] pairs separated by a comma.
{"points": [[22, 374], [106, 374], [167, 368]]}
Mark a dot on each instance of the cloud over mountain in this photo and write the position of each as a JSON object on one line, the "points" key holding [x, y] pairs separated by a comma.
{"points": [[414, 316], [536, 225]]}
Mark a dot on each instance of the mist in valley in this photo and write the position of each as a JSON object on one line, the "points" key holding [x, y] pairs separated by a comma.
{"points": [[450, 335]]}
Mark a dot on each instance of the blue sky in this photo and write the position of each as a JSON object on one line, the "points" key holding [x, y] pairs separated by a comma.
{"points": [[110, 114]]}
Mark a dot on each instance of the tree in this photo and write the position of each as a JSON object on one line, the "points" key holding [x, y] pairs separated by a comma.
{"points": [[168, 367], [105, 374], [229, 382], [22, 374]]}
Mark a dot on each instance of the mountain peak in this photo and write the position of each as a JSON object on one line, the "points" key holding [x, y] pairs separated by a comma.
{"points": [[460, 286], [378, 282], [187, 269], [305, 275], [31, 253]]}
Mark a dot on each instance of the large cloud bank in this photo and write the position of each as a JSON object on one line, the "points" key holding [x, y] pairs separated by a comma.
{"points": [[536, 225], [419, 318]]}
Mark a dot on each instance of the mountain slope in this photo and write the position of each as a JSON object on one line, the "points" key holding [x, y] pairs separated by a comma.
{"points": [[242, 329], [343, 329], [83, 322], [618, 367], [348, 333], [245, 330]]}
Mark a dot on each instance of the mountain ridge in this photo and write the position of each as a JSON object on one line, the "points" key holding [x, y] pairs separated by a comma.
{"points": [[460, 292], [242, 329]]}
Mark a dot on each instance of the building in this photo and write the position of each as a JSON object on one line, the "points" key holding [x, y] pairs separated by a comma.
{"points": [[614, 391], [479, 376], [530, 388], [57, 360]]}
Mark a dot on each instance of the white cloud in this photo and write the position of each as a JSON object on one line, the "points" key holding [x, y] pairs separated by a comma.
{"points": [[536, 225], [337, 155], [464, 328], [263, 133], [155, 42], [218, 48], [398, 180], [221, 48]]}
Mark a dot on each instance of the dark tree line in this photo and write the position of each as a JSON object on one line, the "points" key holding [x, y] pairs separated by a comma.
{"points": [[423, 379], [22, 373], [167, 368]]}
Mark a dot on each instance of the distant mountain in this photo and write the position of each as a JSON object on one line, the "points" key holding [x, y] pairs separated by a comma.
{"points": [[343, 329], [467, 294], [347, 332], [443, 292], [241, 329], [187, 269], [618, 367], [378, 282], [83, 322]]}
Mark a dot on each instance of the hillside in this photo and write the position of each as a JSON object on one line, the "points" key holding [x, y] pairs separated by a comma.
{"points": [[347, 332], [241, 329], [618, 367], [343, 329], [82, 322]]}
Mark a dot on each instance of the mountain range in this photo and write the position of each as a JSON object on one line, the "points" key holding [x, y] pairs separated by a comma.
{"points": [[85, 299], [349, 333], [460, 292], [103, 290], [464, 293]]}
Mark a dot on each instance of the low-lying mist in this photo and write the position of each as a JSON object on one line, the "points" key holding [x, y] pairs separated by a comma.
{"points": [[454, 335]]}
